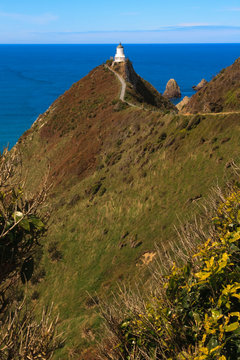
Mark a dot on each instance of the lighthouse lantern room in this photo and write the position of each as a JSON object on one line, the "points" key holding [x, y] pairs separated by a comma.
{"points": [[119, 57]]}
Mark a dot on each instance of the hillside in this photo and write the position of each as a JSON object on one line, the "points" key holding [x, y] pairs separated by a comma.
{"points": [[198, 294], [121, 177], [221, 94], [140, 91], [83, 122]]}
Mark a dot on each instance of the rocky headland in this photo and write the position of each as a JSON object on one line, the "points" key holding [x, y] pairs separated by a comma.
{"points": [[120, 178]]}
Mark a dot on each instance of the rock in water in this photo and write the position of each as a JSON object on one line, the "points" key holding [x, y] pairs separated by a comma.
{"points": [[202, 83], [172, 90], [182, 103]]}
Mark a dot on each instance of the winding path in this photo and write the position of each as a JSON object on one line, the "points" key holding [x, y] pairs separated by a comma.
{"points": [[122, 81], [123, 92], [214, 114], [123, 89]]}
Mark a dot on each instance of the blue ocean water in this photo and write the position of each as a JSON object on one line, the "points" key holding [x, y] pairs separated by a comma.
{"points": [[33, 76]]}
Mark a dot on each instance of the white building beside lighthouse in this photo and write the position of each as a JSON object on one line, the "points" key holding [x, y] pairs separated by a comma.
{"points": [[119, 57]]}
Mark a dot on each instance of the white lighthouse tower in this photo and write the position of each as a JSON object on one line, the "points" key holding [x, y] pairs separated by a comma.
{"points": [[119, 57]]}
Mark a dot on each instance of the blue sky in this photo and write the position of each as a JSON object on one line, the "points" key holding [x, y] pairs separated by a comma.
{"points": [[131, 21]]}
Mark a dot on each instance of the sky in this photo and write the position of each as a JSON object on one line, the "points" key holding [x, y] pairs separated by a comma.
{"points": [[131, 21]]}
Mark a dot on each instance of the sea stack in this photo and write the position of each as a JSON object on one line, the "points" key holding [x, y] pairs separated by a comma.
{"points": [[202, 83], [172, 90]]}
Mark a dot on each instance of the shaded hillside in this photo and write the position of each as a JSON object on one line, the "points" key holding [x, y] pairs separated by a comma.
{"points": [[121, 178], [141, 91], [220, 94]]}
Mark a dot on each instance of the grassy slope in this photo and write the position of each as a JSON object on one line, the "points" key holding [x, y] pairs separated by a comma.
{"points": [[149, 183], [220, 94], [200, 298]]}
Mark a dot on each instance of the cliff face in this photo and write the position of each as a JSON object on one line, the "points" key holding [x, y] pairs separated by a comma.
{"points": [[120, 177], [220, 94], [139, 91]]}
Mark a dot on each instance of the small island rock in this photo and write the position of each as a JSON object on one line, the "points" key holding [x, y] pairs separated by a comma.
{"points": [[182, 103], [202, 83], [172, 90]]}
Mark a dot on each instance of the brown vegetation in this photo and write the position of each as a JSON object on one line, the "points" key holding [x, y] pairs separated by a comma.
{"points": [[219, 95], [83, 122]]}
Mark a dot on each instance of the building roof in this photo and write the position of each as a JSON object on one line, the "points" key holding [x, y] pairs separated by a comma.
{"points": [[120, 45]]}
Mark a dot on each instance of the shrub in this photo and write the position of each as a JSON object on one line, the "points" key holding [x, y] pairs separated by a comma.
{"points": [[194, 122], [109, 62], [162, 137], [21, 336], [196, 314], [54, 253]]}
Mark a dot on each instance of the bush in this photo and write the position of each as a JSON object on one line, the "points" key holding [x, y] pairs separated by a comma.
{"points": [[109, 62], [196, 315], [21, 337], [54, 253]]}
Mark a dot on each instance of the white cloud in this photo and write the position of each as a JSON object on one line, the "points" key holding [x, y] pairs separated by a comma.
{"points": [[181, 26], [194, 24], [34, 19]]}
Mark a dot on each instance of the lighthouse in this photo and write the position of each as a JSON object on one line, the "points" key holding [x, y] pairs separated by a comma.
{"points": [[119, 57]]}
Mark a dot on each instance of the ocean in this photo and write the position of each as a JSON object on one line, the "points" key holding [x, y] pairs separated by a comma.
{"points": [[33, 76]]}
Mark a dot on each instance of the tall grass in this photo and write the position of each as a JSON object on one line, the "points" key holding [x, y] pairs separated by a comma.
{"points": [[191, 310]]}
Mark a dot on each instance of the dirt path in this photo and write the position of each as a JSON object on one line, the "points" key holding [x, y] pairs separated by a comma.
{"points": [[214, 114], [123, 89], [123, 92], [122, 81]]}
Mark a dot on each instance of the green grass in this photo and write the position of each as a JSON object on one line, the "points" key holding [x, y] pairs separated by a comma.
{"points": [[147, 191], [232, 97]]}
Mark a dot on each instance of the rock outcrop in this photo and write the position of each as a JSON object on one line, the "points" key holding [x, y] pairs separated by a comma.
{"points": [[182, 103], [172, 90], [202, 83], [139, 91]]}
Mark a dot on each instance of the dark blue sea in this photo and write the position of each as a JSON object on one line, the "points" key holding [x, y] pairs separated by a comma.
{"points": [[33, 76]]}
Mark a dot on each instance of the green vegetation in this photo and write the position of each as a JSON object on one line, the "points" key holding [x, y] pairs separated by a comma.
{"points": [[196, 316], [21, 337], [232, 97], [120, 181], [109, 62], [153, 172]]}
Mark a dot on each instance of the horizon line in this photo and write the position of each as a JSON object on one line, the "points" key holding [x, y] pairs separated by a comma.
{"points": [[130, 43]]}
